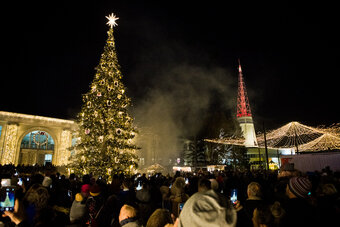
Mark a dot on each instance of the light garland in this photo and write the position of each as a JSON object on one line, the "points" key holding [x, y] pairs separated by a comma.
{"points": [[10, 143], [64, 153], [292, 135], [37, 142], [333, 129], [35, 118], [227, 141], [325, 142]]}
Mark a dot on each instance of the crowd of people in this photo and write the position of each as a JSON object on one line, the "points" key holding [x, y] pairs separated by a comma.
{"points": [[287, 197]]}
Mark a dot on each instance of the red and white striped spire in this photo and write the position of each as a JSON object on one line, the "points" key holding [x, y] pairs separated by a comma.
{"points": [[243, 107]]}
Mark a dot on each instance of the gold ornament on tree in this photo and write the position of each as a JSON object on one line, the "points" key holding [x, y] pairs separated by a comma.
{"points": [[118, 131], [94, 88]]}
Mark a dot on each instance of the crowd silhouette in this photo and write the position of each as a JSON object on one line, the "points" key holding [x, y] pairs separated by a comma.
{"points": [[287, 197]]}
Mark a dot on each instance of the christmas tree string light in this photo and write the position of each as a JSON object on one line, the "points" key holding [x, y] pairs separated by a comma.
{"points": [[106, 132]]}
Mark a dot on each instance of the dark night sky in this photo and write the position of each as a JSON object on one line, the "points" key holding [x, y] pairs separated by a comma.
{"points": [[289, 54]]}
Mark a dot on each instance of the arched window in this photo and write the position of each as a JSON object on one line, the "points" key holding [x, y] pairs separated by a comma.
{"points": [[37, 140]]}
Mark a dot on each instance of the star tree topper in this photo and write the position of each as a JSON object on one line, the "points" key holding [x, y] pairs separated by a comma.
{"points": [[112, 20]]}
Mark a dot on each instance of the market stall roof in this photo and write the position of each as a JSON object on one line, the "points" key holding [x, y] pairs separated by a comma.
{"points": [[155, 168]]}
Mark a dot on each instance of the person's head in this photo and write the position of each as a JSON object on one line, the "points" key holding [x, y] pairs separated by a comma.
{"points": [[207, 209], [262, 216], [286, 170], [328, 189], [298, 187], [277, 211], [214, 184], [159, 218], [86, 179], [79, 197], [126, 212], [254, 190], [47, 181], [126, 183], [287, 167], [37, 195], [204, 185], [37, 178], [72, 176], [95, 190], [179, 183], [178, 186], [85, 190]]}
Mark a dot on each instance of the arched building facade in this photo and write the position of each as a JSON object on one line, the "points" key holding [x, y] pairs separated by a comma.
{"points": [[30, 139]]}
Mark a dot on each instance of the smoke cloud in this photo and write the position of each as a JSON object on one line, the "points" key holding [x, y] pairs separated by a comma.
{"points": [[175, 83], [176, 106]]}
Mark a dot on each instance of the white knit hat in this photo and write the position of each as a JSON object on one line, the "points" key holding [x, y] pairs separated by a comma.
{"points": [[207, 209]]}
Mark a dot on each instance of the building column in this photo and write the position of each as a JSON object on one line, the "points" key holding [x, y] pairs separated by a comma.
{"points": [[10, 140], [62, 154]]}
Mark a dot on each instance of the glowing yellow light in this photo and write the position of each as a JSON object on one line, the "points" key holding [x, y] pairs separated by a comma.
{"points": [[325, 142], [112, 20], [291, 135], [294, 134], [35, 117]]}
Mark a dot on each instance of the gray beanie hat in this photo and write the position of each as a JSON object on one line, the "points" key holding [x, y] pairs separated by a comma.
{"points": [[300, 186], [207, 209]]}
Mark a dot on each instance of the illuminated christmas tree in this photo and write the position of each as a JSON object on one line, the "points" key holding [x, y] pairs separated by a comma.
{"points": [[106, 132]]}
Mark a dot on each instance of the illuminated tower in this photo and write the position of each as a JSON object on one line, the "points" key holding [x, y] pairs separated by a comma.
{"points": [[243, 112]]}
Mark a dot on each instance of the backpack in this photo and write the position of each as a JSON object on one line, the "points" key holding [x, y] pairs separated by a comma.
{"points": [[93, 211]]}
